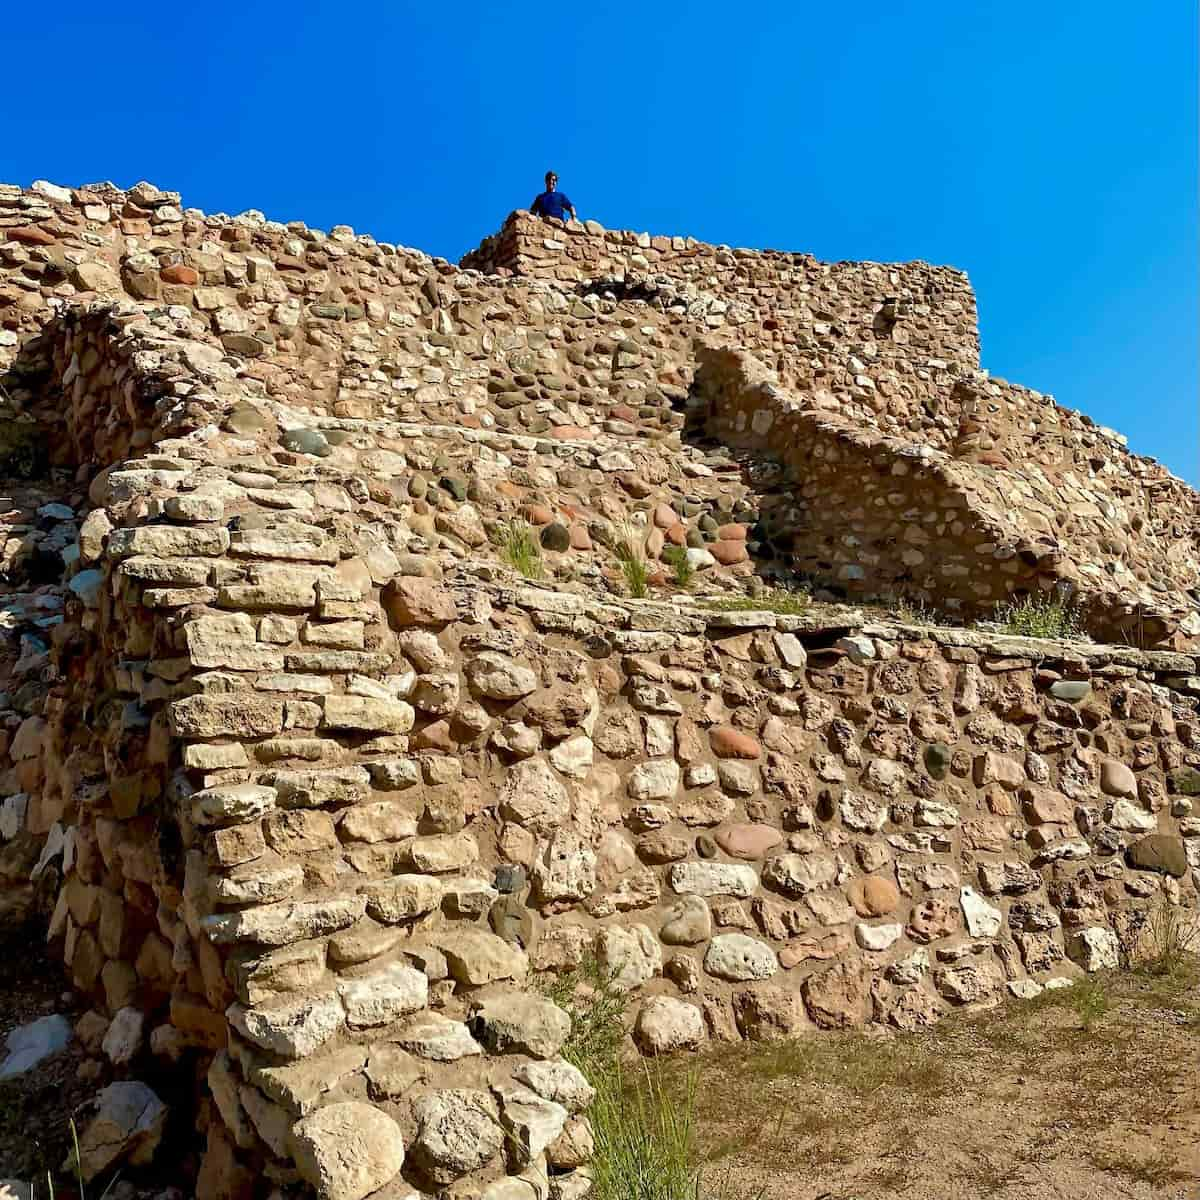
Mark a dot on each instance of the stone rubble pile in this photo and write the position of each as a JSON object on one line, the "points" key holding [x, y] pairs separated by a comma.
{"points": [[324, 788]]}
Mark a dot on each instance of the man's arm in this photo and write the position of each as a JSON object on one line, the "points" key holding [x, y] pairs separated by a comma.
{"points": [[569, 206], [536, 206]]}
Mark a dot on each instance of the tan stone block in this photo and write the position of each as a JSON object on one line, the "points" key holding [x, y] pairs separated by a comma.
{"points": [[236, 845]]}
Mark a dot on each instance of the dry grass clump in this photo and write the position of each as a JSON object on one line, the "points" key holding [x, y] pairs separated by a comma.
{"points": [[1171, 939], [777, 600]]}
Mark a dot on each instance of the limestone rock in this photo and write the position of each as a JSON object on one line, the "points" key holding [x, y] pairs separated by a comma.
{"points": [[530, 1121], [458, 1131], [384, 995], [665, 1024], [128, 1126], [713, 879], [434, 1036], [983, 920], [1095, 949], [559, 1081], [293, 1028], [629, 955], [348, 1150], [498, 677], [739, 958], [519, 1023]]}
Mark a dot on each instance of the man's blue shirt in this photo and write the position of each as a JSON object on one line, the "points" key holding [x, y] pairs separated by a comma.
{"points": [[551, 204]]}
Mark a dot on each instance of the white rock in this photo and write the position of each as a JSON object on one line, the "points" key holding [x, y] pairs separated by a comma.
{"points": [[665, 1024], [1095, 949], [383, 996], [293, 1029], [655, 780], [877, 937], [574, 756], [123, 1038], [559, 1081], [983, 920], [630, 955], [737, 957], [348, 1150], [713, 879], [1130, 816]]}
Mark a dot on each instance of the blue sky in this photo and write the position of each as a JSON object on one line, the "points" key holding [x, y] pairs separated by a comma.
{"points": [[1050, 149]]}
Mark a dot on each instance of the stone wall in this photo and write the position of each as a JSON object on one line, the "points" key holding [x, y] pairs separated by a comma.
{"points": [[877, 516], [881, 341], [323, 787]]}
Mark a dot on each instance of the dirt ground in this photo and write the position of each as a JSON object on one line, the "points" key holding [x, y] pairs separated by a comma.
{"points": [[36, 1108], [1085, 1093]]}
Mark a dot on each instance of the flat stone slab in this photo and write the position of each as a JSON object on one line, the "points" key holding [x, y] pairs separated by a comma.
{"points": [[31, 1044]]}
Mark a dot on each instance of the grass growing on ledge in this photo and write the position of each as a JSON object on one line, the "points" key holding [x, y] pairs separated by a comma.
{"points": [[776, 600], [628, 549], [1040, 617], [520, 549], [681, 566]]}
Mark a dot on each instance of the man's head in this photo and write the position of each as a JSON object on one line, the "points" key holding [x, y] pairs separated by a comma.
{"points": [[551, 181]]}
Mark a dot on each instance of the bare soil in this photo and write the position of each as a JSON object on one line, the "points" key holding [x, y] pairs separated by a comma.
{"points": [[36, 1109], [1085, 1093]]}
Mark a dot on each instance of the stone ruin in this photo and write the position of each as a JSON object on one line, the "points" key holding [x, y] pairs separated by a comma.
{"points": [[316, 787]]}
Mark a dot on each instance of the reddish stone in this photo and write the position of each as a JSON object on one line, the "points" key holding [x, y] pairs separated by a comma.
{"points": [[840, 997], [820, 948], [873, 895], [677, 535], [732, 533], [728, 742], [470, 421], [411, 600], [664, 516], [571, 433], [31, 235], [580, 539], [622, 412], [728, 553], [436, 736], [748, 841], [179, 273], [935, 918], [538, 514]]}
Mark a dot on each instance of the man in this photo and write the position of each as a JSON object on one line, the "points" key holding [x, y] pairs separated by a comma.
{"points": [[552, 202]]}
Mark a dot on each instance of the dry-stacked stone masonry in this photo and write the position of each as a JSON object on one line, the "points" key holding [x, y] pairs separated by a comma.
{"points": [[317, 786]]}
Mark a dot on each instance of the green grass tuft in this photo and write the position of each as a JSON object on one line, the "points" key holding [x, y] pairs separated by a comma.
{"points": [[1089, 998], [645, 1139], [681, 566], [519, 548], [644, 1130], [629, 552], [1040, 617]]}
